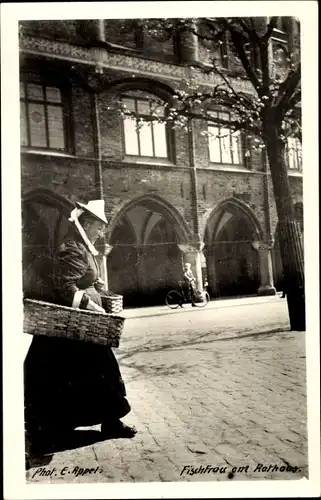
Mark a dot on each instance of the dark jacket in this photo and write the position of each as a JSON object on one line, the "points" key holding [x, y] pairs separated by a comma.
{"points": [[75, 271], [72, 383]]}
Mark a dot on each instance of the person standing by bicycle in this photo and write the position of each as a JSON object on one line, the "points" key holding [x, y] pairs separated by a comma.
{"points": [[189, 282]]}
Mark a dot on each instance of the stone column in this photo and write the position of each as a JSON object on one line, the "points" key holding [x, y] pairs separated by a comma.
{"points": [[266, 271], [102, 262], [101, 30], [91, 29], [192, 254], [140, 268], [188, 43], [211, 270]]}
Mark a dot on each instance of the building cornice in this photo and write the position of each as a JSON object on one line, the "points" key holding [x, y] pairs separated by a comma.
{"points": [[100, 59]]}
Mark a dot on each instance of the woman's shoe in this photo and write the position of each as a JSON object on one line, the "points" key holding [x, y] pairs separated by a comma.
{"points": [[117, 429]]}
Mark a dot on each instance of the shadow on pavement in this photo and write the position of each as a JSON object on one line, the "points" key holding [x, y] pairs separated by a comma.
{"points": [[41, 453], [182, 344], [204, 341]]}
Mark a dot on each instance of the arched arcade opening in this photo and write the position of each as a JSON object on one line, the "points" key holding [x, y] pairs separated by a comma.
{"points": [[44, 224], [231, 260], [145, 260]]}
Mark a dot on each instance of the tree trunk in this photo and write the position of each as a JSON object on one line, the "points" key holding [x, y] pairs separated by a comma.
{"points": [[293, 268], [290, 241]]}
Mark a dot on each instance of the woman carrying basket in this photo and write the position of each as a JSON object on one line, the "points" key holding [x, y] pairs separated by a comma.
{"points": [[70, 383]]}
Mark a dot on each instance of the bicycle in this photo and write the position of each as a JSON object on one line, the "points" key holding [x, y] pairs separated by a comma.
{"points": [[176, 298]]}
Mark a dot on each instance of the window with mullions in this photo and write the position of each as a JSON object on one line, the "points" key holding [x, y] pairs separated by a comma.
{"points": [[42, 117], [144, 136], [293, 153], [225, 145]]}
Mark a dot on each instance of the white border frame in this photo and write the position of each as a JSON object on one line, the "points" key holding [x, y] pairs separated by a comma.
{"points": [[15, 487]]}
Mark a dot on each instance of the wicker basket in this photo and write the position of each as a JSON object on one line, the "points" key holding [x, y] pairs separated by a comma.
{"points": [[111, 302], [51, 320]]}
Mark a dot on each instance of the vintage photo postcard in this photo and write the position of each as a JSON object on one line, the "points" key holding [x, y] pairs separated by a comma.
{"points": [[160, 250]]}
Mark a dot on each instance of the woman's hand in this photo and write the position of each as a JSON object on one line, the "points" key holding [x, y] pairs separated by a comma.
{"points": [[92, 306], [99, 285]]}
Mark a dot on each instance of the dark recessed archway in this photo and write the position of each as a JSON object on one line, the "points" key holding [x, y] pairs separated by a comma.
{"points": [[232, 262], [145, 260], [44, 224]]}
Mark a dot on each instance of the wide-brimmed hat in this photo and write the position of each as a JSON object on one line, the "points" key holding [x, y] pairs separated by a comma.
{"points": [[96, 208]]}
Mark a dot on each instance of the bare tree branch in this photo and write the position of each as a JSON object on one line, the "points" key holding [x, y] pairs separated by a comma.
{"points": [[231, 124], [252, 23], [264, 59], [295, 99], [287, 89], [270, 28], [238, 42], [226, 80], [250, 31], [269, 106], [186, 112], [221, 95]]}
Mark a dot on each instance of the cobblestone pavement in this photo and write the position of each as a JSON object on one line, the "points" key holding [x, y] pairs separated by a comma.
{"points": [[221, 387]]}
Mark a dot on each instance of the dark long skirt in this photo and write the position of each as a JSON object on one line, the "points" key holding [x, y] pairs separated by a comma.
{"points": [[70, 384]]}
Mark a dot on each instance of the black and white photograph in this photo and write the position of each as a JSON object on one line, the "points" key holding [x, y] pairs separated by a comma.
{"points": [[161, 316]]}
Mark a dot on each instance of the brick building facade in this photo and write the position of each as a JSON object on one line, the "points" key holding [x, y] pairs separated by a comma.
{"points": [[171, 195]]}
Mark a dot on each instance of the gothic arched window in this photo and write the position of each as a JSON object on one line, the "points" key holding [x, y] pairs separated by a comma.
{"points": [[225, 145], [44, 116], [145, 134]]}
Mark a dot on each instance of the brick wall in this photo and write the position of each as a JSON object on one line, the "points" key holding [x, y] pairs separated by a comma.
{"points": [[110, 128], [122, 32], [74, 179], [125, 183], [63, 30], [217, 186], [69, 177], [82, 122]]}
